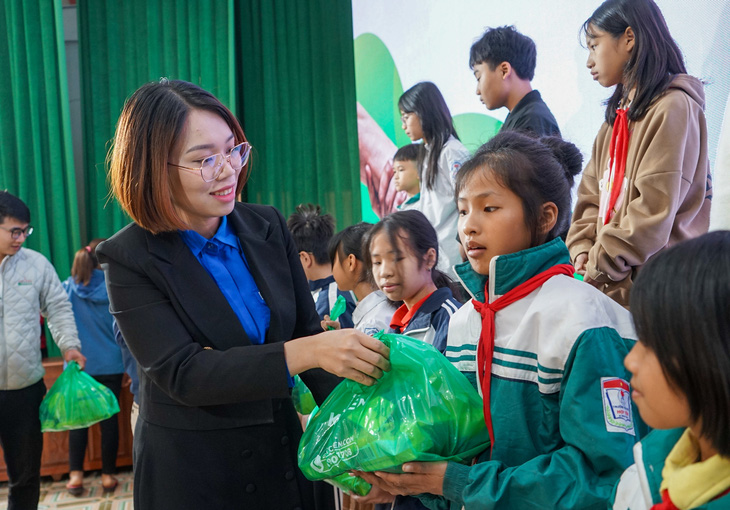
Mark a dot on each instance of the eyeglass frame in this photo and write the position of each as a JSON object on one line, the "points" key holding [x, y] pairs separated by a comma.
{"points": [[406, 116], [226, 158], [16, 232]]}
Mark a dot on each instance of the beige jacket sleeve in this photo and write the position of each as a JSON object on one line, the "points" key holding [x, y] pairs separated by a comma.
{"points": [[582, 233]]}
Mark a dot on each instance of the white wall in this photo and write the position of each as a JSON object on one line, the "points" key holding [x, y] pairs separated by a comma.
{"points": [[430, 40]]}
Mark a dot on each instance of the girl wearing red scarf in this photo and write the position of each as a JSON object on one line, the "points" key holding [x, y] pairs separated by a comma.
{"points": [[544, 349], [647, 184]]}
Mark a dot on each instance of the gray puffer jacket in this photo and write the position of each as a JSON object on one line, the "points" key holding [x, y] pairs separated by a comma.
{"points": [[29, 286]]}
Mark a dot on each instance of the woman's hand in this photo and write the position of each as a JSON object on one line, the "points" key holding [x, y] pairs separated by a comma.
{"points": [[417, 478], [346, 353]]}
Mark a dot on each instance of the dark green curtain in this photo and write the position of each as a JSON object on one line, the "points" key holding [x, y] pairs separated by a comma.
{"points": [[286, 68], [125, 44], [296, 90], [36, 158]]}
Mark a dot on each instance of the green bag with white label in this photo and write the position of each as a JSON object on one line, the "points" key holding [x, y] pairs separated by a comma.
{"points": [[424, 409]]}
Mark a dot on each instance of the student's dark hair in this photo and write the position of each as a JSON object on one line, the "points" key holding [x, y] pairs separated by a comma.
{"points": [[505, 44], [348, 241], [655, 59], [85, 262], [680, 303], [312, 230], [13, 207], [425, 100], [411, 152], [536, 170], [416, 232]]}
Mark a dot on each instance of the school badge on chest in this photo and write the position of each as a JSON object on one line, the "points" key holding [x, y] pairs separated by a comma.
{"points": [[617, 405]]}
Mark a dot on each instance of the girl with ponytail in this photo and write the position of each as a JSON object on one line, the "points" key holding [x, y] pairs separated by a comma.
{"points": [[544, 350], [86, 290]]}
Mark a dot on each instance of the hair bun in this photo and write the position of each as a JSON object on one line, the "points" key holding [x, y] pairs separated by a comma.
{"points": [[567, 154]]}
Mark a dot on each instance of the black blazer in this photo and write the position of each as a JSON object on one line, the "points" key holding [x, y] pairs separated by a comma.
{"points": [[198, 369]]}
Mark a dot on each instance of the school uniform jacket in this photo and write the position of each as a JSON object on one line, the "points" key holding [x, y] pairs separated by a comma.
{"points": [[562, 434], [198, 369], [666, 191], [438, 204], [430, 323], [639, 487]]}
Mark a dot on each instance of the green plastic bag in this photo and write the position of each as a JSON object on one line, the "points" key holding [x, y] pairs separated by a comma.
{"points": [[302, 397], [424, 409], [75, 401], [337, 309]]}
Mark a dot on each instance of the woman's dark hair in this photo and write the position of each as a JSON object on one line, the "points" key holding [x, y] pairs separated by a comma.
{"points": [[416, 232], [85, 262], [348, 241], [536, 170], [680, 303], [655, 59], [425, 100]]}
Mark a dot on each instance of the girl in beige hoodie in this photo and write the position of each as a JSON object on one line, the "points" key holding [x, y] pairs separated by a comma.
{"points": [[647, 185]]}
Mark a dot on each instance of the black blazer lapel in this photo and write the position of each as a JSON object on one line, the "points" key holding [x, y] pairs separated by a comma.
{"points": [[195, 294]]}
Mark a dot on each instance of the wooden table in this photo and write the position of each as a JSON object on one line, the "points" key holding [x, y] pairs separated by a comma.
{"points": [[55, 444]]}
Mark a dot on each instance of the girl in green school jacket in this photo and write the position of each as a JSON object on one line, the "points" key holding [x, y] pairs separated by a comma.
{"points": [[681, 379], [544, 349]]}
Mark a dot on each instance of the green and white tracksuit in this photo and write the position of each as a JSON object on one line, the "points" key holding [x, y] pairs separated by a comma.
{"points": [[700, 487], [564, 424]]}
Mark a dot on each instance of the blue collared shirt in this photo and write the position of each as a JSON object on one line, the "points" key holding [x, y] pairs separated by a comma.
{"points": [[225, 261]]}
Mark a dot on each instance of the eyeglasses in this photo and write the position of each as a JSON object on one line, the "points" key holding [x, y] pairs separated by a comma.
{"points": [[15, 233], [405, 117], [212, 166]]}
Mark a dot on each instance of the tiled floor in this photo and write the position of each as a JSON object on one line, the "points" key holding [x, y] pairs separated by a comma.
{"points": [[55, 497]]}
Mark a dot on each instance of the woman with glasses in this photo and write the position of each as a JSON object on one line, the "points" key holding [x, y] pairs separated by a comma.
{"points": [[211, 298]]}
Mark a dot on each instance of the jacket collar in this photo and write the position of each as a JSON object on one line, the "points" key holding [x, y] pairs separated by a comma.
{"points": [[317, 285], [509, 271], [422, 318], [189, 280]]}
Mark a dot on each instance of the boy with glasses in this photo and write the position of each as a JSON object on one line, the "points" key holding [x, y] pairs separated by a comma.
{"points": [[29, 286]]}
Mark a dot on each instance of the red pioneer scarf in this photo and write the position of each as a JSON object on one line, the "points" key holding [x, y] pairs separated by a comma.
{"points": [[618, 150], [485, 349], [667, 504]]}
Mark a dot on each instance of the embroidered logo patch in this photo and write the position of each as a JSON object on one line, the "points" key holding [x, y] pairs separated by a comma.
{"points": [[455, 166], [617, 405], [25, 282]]}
